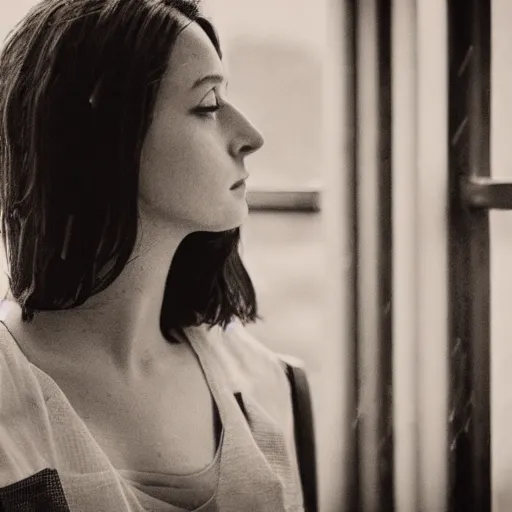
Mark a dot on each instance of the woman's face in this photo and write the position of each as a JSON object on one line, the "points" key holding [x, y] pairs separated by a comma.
{"points": [[192, 157]]}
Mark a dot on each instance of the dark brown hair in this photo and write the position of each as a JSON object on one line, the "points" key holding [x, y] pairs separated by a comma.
{"points": [[78, 85]]}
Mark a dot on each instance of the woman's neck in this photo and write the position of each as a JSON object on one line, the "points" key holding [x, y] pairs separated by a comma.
{"points": [[122, 323]]}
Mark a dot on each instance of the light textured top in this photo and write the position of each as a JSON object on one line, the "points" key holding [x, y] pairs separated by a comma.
{"points": [[47, 452]]}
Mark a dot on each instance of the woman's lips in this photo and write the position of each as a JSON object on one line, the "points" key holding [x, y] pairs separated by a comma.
{"points": [[239, 183]]}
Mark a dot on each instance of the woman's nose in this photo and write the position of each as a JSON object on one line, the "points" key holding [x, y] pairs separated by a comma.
{"points": [[247, 138]]}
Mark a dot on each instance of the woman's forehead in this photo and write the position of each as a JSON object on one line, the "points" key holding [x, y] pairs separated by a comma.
{"points": [[192, 57]]}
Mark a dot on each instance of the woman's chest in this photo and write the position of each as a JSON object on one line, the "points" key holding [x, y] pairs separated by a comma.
{"points": [[163, 425]]}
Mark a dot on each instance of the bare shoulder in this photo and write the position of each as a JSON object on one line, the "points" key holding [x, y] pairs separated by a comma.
{"points": [[240, 339], [251, 364]]}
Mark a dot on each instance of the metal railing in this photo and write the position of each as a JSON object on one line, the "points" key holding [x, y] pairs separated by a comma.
{"points": [[280, 199]]}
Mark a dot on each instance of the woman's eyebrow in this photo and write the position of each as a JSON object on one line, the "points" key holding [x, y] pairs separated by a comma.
{"points": [[217, 79]]}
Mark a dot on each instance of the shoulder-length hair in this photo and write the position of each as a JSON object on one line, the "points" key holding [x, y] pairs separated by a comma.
{"points": [[78, 85]]}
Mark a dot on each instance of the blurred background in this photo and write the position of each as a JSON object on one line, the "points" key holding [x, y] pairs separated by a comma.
{"points": [[275, 53]]}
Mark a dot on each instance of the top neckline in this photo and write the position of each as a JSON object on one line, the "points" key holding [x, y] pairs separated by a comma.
{"points": [[57, 389]]}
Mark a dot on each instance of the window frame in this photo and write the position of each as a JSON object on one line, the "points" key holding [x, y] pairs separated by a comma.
{"points": [[472, 193]]}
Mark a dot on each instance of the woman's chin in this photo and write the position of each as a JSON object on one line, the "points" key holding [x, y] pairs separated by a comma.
{"points": [[235, 219]]}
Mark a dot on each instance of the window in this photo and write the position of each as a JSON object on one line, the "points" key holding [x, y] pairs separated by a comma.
{"points": [[275, 53], [500, 255], [277, 58]]}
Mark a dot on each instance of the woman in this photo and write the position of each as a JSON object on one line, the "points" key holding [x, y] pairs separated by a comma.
{"points": [[129, 383]]}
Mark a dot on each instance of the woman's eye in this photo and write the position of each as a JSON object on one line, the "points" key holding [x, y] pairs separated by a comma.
{"points": [[210, 108], [211, 105]]}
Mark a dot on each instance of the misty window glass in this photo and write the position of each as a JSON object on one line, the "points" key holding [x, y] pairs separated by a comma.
{"points": [[274, 52], [501, 257]]}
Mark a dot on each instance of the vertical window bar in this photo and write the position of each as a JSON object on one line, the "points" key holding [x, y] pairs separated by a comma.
{"points": [[405, 264], [339, 204], [431, 240], [469, 119], [374, 347], [353, 501], [386, 444]]}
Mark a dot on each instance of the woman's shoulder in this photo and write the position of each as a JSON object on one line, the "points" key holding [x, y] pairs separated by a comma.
{"points": [[13, 366], [250, 350], [19, 386], [11, 355], [251, 362], [23, 413]]}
